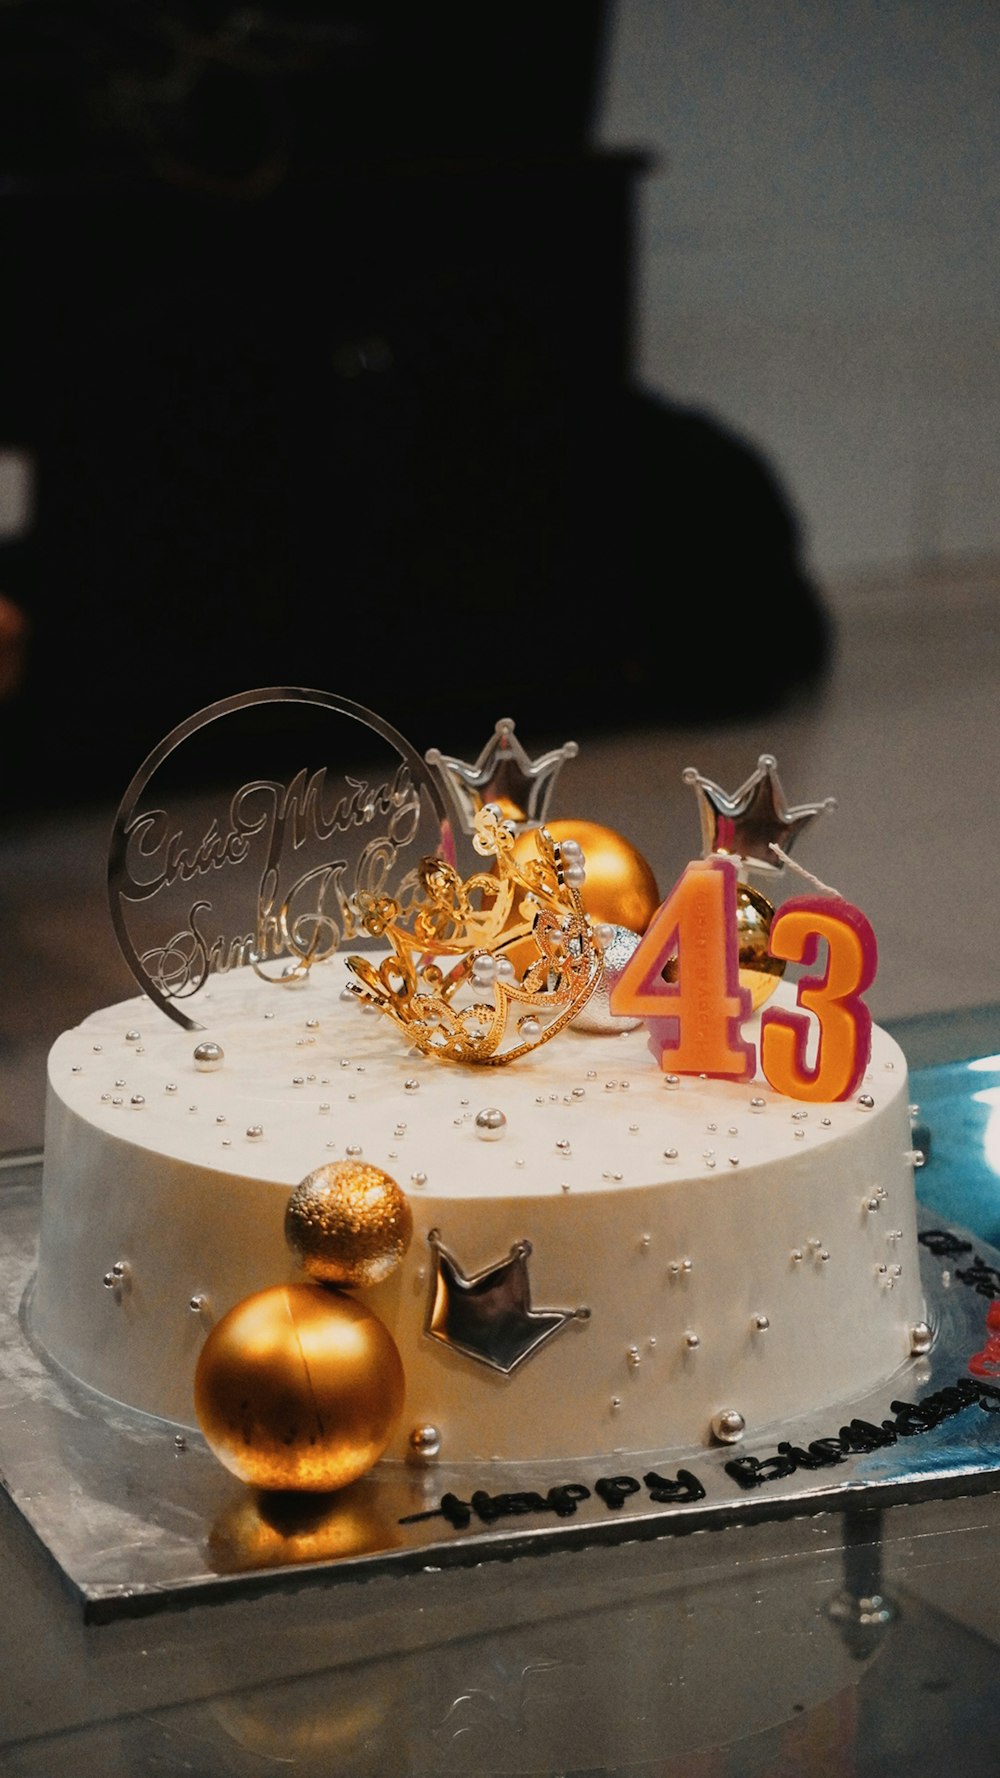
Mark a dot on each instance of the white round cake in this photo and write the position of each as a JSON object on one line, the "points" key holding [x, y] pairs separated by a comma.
{"points": [[605, 1264]]}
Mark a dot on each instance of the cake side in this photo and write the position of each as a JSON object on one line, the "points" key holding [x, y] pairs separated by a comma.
{"points": [[695, 1245]]}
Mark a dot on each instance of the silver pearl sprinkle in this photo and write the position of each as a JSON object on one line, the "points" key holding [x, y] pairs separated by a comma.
{"points": [[921, 1339], [490, 1124], [117, 1279], [866, 1101], [728, 1426], [255, 1132], [423, 1444], [760, 1323], [208, 1057], [132, 1036], [692, 1341]]}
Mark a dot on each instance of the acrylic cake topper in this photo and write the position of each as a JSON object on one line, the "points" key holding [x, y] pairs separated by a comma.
{"points": [[331, 809]]}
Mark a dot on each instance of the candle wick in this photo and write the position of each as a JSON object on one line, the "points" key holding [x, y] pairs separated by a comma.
{"points": [[807, 874]]}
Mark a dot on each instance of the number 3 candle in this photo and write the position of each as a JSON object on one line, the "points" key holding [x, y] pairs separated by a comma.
{"points": [[694, 1019]]}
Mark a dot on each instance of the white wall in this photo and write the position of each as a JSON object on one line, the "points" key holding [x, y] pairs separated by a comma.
{"points": [[819, 253]]}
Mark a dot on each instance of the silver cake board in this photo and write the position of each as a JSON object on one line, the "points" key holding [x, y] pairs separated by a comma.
{"points": [[137, 1519]]}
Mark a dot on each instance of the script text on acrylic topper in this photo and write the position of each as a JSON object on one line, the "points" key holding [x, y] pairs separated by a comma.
{"points": [[330, 803]]}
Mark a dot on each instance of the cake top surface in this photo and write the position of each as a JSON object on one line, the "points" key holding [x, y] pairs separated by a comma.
{"points": [[306, 1076]]}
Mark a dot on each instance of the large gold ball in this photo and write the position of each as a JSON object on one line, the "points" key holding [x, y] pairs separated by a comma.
{"points": [[619, 888], [299, 1387], [349, 1223]]}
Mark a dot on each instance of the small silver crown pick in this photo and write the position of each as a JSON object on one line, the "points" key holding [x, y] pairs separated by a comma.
{"points": [[755, 824], [504, 773]]}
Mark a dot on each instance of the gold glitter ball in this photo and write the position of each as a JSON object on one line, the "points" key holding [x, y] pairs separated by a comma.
{"points": [[349, 1223]]}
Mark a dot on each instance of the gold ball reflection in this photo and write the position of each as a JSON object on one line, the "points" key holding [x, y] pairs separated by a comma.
{"points": [[277, 1530], [619, 888], [759, 971], [298, 1387], [349, 1223]]}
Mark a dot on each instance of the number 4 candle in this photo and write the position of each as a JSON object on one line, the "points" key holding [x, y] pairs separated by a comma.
{"points": [[694, 1019]]}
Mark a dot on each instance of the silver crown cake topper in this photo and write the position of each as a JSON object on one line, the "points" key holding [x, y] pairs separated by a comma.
{"points": [[269, 873], [754, 824], [488, 1315], [504, 774]]}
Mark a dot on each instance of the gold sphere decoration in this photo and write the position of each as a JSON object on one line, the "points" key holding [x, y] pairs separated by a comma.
{"points": [[619, 888], [349, 1223], [299, 1387]]}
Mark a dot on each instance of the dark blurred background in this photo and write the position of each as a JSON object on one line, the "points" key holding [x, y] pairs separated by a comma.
{"points": [[317, 339]]}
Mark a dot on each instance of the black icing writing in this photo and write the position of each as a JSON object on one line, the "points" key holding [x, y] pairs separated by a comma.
{"points": [[943, 1242], [561, 1500], [614, 1490], [982, 1278], [910, 1419], [684, 1487]]}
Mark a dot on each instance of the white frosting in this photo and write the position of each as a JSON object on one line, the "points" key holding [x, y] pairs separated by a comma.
{"points": [[762, 1215]]}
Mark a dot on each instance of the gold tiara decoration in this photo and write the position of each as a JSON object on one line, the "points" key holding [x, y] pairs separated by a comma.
{"points": [[454, 942]]}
